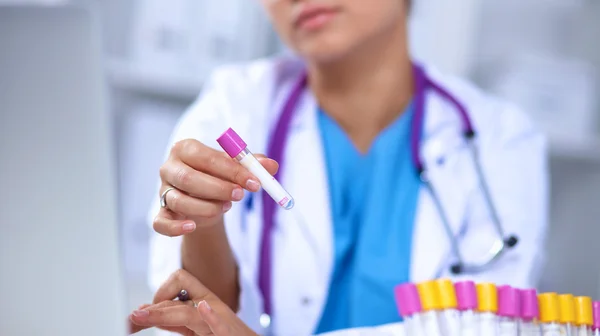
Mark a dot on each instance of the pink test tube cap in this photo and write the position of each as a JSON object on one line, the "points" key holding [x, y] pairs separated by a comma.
{"points": [[231, 143], [407, 299], [466, 295], [529, 304], [509, 302], [596, 312]]}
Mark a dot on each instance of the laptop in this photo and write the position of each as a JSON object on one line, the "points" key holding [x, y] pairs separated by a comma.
{"points": [[60, 264]]}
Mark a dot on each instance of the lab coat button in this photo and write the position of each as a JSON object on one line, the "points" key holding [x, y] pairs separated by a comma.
{"points": [[306, 301]]}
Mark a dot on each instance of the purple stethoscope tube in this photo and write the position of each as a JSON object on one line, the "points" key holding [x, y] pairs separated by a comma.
{"points": [[276, 148]]}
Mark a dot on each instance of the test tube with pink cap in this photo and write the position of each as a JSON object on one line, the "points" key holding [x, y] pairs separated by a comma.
{"points": [[596, 313], [237, 149], [409, 307], [466, 295], [509, 311], [529, 324]]}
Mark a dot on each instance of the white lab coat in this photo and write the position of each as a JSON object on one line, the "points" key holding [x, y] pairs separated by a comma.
{"points": [[249, 98]]}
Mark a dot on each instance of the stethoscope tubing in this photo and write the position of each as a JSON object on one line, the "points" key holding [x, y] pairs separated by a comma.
{"points": [[423, 83]]}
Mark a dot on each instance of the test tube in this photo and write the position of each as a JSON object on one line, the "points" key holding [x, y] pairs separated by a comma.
{"points": [[596, 313], [487, 307], [449, 316], [509, 311], [466, 295], [584, 319], [430, 302], [409, 307], [529, 313], [236, 148], [567, 314], [549, 314]]}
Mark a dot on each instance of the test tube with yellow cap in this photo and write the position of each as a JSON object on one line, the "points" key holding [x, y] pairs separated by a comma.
{"points": [[549, 314], [487, 307], [449, 317], [567, 314], [430, 302], [584, 317]]}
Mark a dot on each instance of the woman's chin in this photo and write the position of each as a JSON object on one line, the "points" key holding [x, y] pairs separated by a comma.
{"points": [[323, 52]]}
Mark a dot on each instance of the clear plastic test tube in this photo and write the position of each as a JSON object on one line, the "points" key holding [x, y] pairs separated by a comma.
{"points": [[409, 307], [466, 295], [509, 311], [430, 302], [487, 307], [567, 314], [596, 315], [584, 319], [530, 313], [449, 316], [549, 314], [236, 148]]}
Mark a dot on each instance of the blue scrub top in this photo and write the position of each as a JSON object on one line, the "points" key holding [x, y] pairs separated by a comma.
{"points": [[373, 201]]}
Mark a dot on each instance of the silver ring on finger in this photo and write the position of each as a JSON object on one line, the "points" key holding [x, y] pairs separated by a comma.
{"points": [[163, 198]]}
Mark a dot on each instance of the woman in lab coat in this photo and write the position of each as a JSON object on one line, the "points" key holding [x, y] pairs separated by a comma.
{"points": [[398, 171]]}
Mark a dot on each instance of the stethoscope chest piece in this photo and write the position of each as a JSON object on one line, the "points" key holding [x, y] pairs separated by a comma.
{"points": [[265, 323], [498, 250]]}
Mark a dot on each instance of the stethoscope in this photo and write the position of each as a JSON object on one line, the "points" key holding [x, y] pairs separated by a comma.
{"points": [[422, 84]]}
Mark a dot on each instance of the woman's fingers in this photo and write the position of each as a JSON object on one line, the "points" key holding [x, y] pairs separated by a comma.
{"points": [[167, 223], [270, 165], [216, 324], [140, 313], [215, 163], [186, 205], [174, 316], [134, 328], [178, 281], [201, 185]]}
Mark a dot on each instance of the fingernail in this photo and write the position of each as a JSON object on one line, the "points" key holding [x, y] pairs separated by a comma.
{"points": [[237, 194], [227, 206], [252, 185], [140, 313], [205, 305], [189, 227]]}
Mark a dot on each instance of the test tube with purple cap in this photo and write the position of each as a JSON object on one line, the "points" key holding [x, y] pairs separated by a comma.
{"points": [[409, 307], [530, 313], [466, 295], [509, 311], [596, 313]]}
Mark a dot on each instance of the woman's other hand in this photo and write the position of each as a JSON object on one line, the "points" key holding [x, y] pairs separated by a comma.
{"points": [[205, 182], [210, 317]]}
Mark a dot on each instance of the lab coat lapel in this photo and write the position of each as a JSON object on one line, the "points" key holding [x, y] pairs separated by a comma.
{"points": [[307, 160], [305, 173], [444, 156]]}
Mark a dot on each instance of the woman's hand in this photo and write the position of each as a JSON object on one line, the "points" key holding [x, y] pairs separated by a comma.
{"points": [[205, 182], [210, 317]]}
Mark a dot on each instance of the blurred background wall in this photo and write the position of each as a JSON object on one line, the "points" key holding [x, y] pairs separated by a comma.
{"points": [[541, 54]]}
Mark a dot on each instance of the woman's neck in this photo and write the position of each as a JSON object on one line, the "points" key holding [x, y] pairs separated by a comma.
{"points": [[368, 89]]}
